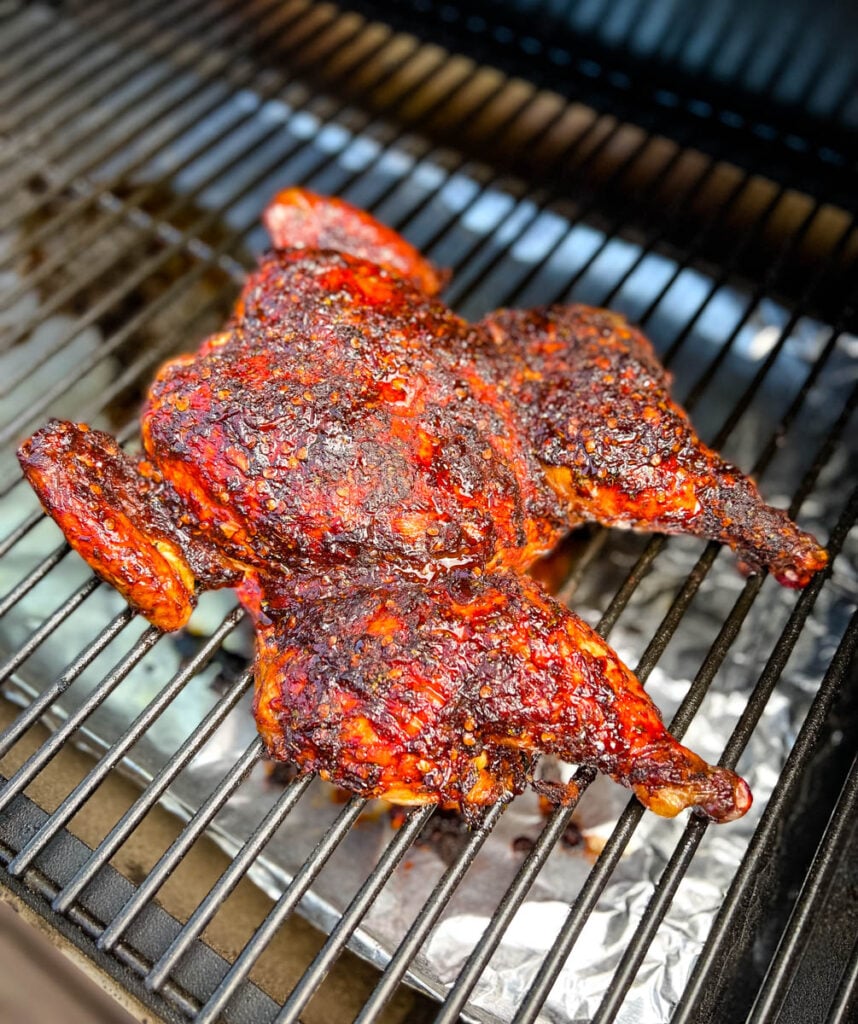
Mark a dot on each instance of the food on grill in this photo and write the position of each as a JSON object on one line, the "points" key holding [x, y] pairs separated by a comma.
{"points": [[374, 476]]}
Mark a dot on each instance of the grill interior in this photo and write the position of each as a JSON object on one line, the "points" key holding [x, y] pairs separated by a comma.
{"points": [[140, 144]]}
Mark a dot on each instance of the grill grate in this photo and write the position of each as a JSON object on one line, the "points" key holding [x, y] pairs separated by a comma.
{"points": [[104, 266]]}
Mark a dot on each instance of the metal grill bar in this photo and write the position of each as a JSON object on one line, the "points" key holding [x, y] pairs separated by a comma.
{"points": [[47, 48], [239, 867], [37, 708], [468, 976], [636, 92], [204, 85], [38, 637], [85, 926], [281, 910], [131, 206], [18, 532], [427, 917], [238, 78], [219, 31], [70, 892], [773, 815], [18, 42], [61, 298], [685, 849], [725, 270], [37, 761], [81, 99], [845, 1003], [353, 914], [459, 293], [84, 790], [125, 209], [169, 861], [29, 581], [680, 203], [670, 216]]}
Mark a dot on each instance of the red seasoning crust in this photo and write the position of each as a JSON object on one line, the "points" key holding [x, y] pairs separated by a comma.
{"points": [[375, 475]]}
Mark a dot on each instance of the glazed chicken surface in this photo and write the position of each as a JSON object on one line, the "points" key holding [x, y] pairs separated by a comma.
{"points": [[374, 476]]}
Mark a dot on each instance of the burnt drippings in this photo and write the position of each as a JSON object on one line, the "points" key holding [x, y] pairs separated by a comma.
{"points": [[446, 833]]}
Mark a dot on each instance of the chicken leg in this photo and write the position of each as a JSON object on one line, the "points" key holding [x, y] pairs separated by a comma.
{"points": [[595, 402], [444, 692]]}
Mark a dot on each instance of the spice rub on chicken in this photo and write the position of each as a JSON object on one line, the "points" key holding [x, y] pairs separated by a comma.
{"points": [[374, 476]]}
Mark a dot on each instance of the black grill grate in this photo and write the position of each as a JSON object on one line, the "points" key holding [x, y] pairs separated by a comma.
{"points": [[99, 107]]}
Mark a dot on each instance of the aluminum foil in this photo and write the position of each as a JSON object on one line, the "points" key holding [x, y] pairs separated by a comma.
{"points": [[533, 929]]}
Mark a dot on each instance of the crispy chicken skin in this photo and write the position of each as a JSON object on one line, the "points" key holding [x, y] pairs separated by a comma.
{"points": [[374, 476]]}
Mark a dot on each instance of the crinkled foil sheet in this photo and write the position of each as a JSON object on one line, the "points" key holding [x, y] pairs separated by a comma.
{"points": [[589, 968]]}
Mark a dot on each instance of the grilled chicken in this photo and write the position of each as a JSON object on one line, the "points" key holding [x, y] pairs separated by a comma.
{"points": [[374, 476]]}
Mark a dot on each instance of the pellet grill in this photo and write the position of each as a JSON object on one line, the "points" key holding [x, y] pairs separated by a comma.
{"points": [[692, 165]]}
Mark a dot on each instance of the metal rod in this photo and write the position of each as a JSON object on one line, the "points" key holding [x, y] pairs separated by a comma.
{"points": [[552, 830], [25, 585], [95, 776], [62, 296], [34, 710], [243, 77], [129, 821], [39, 635], [284, 906], [100, 192], [33, 31], [238, 868], [844, 1007], [88, 98], [19, 532], [429, 913], [49, 52], [351, 917], [772, 818], [51, 747], [169, 861]]}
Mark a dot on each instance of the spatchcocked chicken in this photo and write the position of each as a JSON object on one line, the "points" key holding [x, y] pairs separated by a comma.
{"points": [[374, 476]]}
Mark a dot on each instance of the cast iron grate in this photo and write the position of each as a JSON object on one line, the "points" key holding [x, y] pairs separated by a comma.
{"points": [[139, 145]]}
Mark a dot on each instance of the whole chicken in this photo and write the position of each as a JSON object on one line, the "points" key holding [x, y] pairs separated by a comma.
{"points": [[374, 476]]}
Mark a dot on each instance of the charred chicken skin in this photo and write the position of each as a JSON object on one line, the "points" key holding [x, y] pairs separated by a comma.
{"points": [[374, 476]]}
